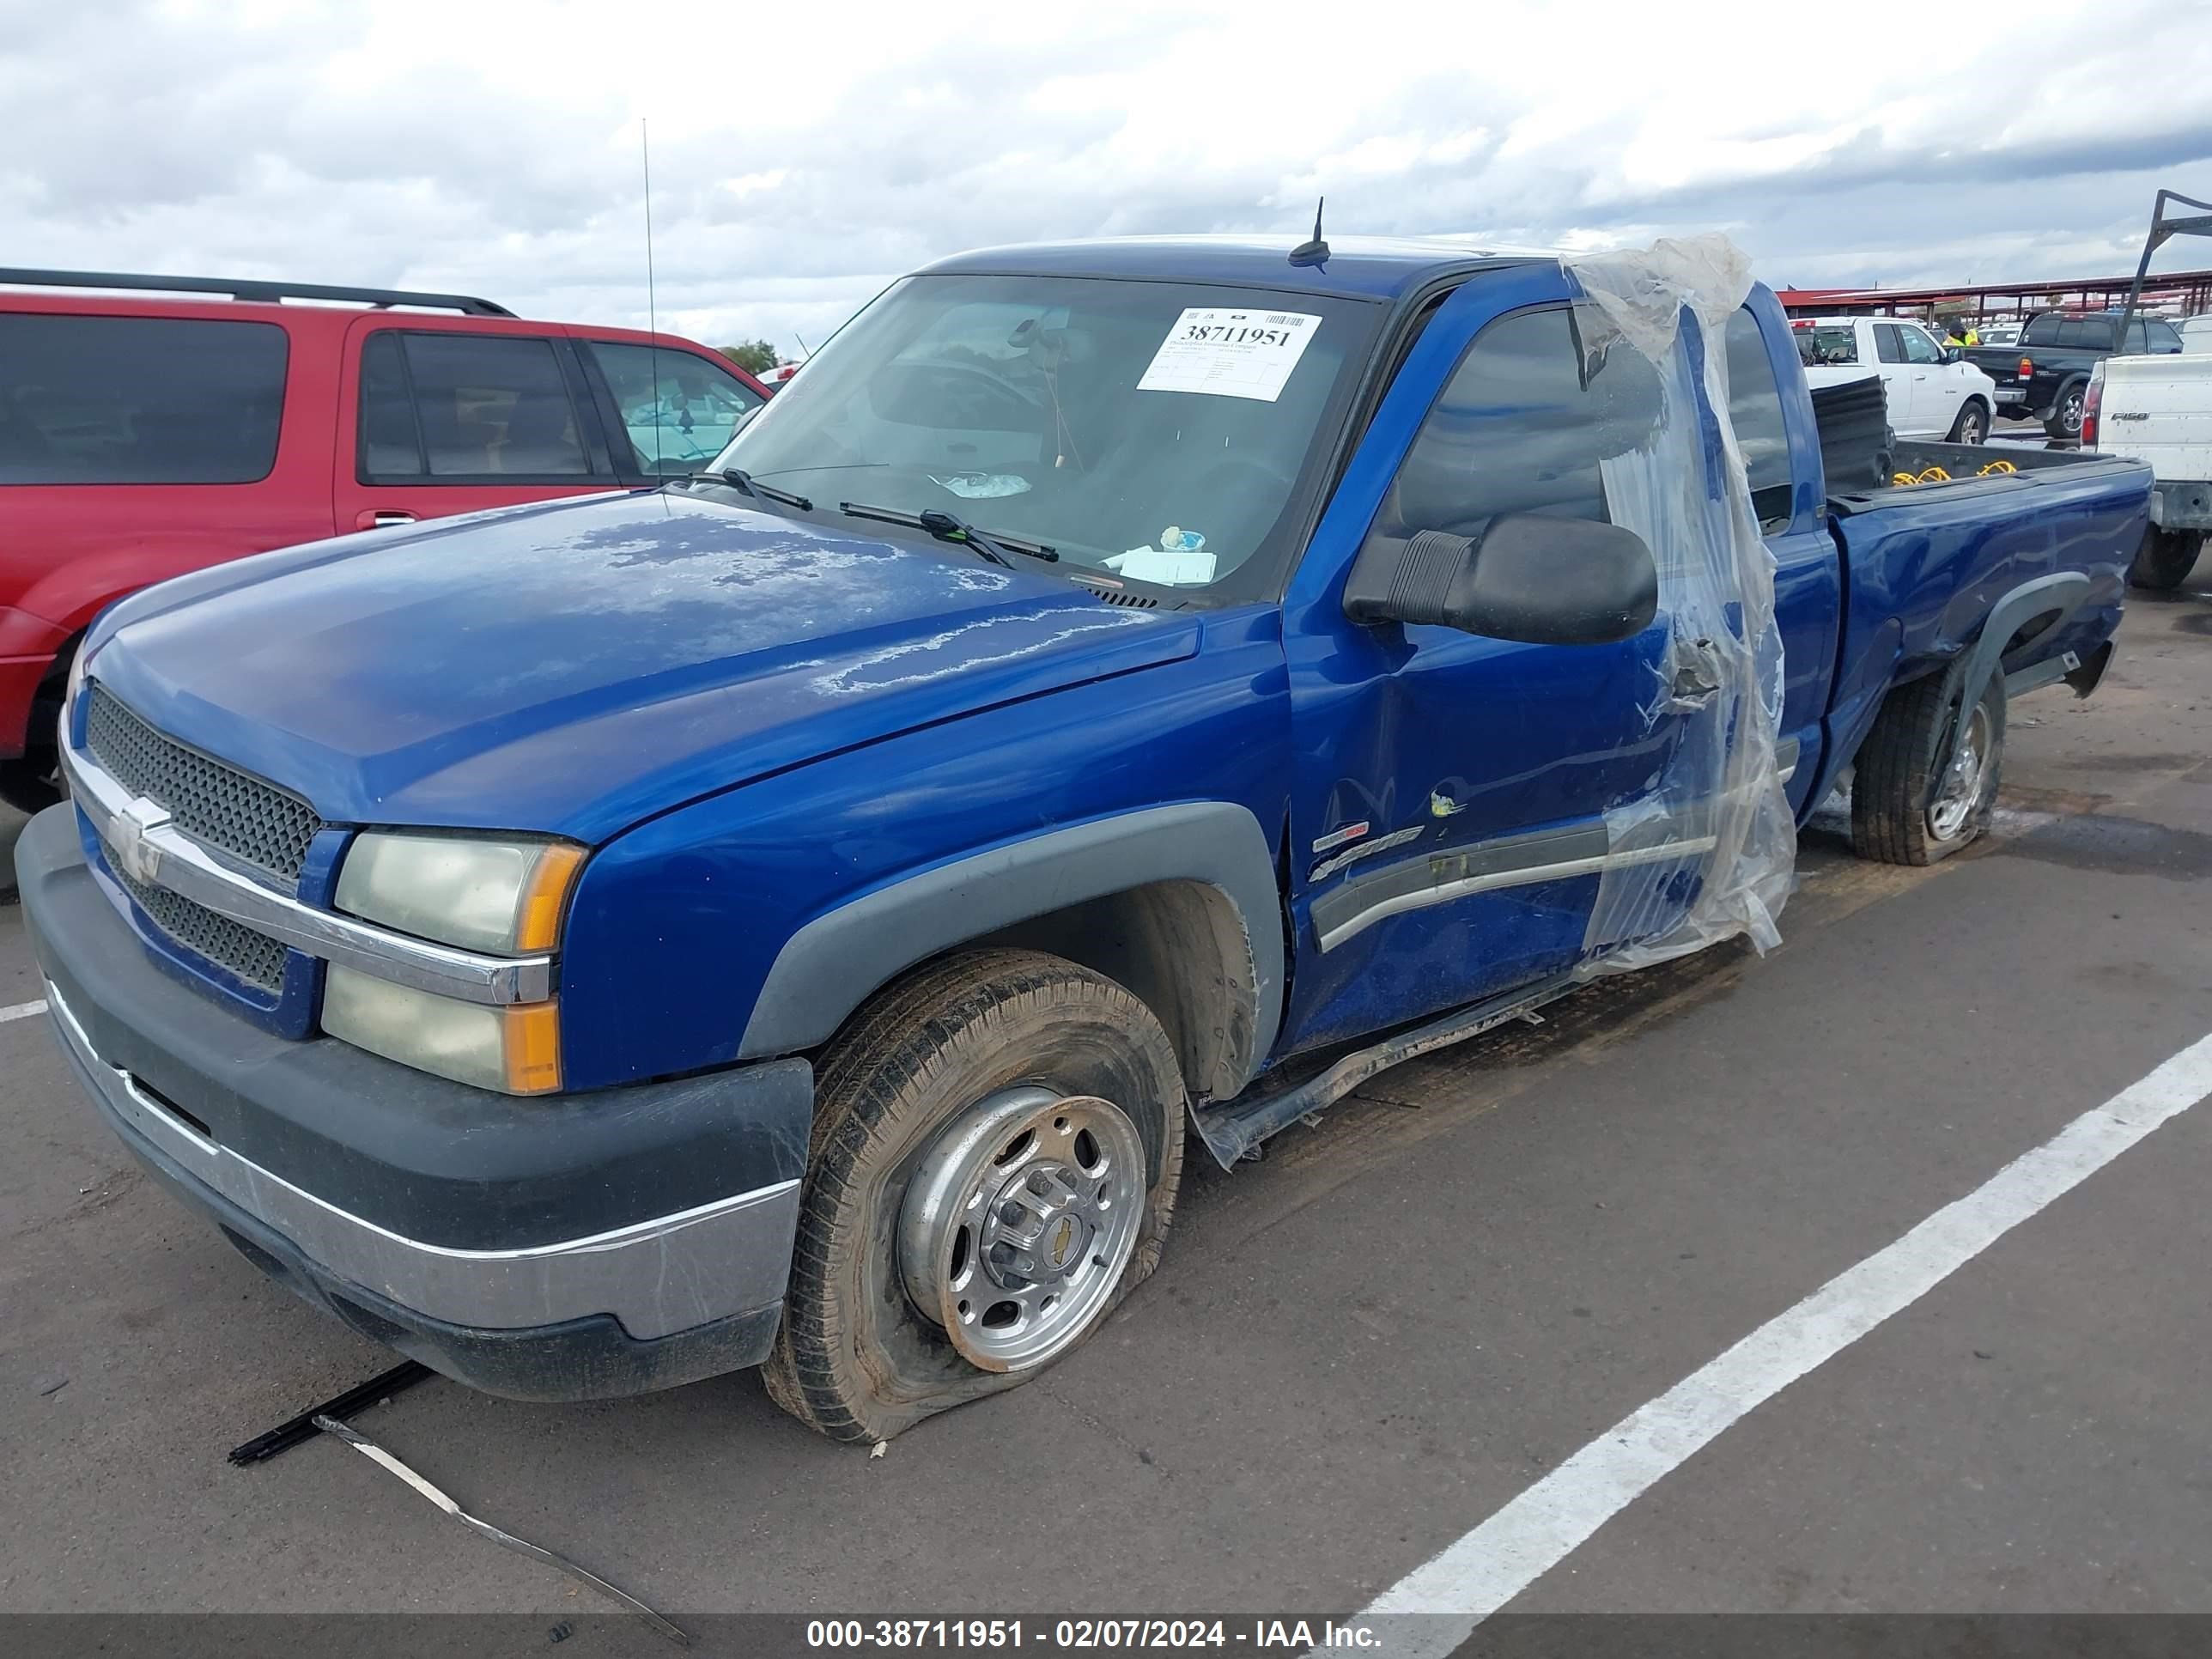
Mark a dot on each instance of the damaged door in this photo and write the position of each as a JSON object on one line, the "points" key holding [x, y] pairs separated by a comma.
{"points": [[1451, 820]]}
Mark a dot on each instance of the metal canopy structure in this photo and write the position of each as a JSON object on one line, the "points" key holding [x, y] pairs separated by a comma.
{"points": [[2184, 293], [2161, 228]]}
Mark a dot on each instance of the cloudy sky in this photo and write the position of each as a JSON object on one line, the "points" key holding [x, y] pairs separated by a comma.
{"points": [[803, 154]]}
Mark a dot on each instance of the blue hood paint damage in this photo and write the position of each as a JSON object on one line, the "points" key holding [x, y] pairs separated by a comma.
{"points": [[579, 667]]}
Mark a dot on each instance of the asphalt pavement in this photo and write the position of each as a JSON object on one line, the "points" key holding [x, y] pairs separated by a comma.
{"points": [[1364, 1347]]}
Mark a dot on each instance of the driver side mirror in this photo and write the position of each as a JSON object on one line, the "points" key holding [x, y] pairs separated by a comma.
{"points": [[1529, 577], [1953, 354]]}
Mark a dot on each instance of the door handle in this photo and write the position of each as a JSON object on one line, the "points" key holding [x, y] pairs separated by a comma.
{"points": [[381, 519]]}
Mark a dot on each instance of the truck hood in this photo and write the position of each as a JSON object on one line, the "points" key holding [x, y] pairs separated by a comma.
{"points": [[575, 667]]}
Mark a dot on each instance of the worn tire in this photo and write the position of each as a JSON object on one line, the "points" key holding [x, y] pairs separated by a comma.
{"points": [[2063, 418], [855, 1359], [1972, 426], [1891, 786], [2165, 559]]}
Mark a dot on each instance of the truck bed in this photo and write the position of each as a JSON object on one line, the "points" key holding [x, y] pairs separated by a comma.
{"points": [[1975, 470], [1927, 565]]}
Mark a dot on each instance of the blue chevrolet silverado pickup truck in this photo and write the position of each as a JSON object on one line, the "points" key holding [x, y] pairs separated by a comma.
{"points": [[790, 916]]}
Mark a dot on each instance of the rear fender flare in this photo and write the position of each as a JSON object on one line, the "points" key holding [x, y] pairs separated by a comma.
{"points": [[2059, 596]]}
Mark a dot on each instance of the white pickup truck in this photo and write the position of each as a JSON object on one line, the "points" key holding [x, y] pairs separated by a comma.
{"points": [[1932, 393], [2159, 409]]}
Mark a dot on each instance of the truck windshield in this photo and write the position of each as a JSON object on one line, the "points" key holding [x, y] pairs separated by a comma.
{"points": [[1165, 433]]}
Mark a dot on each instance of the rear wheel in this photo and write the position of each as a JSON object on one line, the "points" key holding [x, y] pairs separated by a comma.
{"points": [[1972, 426], [2165, 559], [997, 1143], [2063, 418], [1903, 810]]}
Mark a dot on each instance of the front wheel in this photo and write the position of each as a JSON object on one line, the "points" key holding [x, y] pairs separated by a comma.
{"points": [[1972, 426], [1904, 809], [2165, 559], [997, 1143]]}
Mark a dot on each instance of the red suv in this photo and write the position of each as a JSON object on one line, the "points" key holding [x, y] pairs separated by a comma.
{"points": [[143, 437]]}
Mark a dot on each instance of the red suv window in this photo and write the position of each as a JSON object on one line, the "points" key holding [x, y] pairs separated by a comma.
{"points": [[677, 408], [454, 407], [138, 400]]}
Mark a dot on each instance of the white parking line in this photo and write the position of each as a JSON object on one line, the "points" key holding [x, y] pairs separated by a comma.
{"points": [[1541, 1527], [22, 1011]]}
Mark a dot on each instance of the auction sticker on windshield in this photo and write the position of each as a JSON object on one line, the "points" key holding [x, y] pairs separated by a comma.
{"points": [[1231, 353]]}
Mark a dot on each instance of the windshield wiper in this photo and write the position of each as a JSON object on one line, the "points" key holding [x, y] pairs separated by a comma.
{"points": [[745, 484], [946, 528]]}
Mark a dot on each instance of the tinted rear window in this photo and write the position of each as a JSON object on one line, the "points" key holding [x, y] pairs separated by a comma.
{"points": [[138, 400], [1827, 345], [2044, 330], [2092, 333], [454, 405]]}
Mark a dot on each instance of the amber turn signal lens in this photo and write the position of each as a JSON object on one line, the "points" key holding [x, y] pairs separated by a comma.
{"points": [[533, 1048], [538, 922]]}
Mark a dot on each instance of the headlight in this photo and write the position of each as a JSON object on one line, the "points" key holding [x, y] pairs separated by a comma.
{"points": [[514, 1049], [78, 663], [503, 894]]}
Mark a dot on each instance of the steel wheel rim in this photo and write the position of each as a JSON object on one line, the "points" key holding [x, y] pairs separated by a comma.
{"points": [[1019, 1221], [2070, 412], [1955, 801]]}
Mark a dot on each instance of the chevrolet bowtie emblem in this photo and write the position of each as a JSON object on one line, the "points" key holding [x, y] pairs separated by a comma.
{"points": [[135, 856]]}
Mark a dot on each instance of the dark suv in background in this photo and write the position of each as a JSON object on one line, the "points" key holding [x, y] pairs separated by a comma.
{"points": [[142, 437], [2045, 373]]}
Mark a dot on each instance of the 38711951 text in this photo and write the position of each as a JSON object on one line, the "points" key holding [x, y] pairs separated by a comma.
{"points": [[1079, 1635]]}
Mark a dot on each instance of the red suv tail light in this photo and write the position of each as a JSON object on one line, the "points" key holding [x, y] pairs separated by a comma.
{"points": [[2027, 369]]}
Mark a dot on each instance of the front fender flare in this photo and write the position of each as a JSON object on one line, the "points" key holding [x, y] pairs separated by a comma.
{"points": [[836, 961]]}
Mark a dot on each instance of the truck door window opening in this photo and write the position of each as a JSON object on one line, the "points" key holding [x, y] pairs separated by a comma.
{"points": [[1517, 430]]}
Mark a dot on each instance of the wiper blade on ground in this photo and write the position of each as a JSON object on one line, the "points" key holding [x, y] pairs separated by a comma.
{"points": [[947, 528], [745, 484]]}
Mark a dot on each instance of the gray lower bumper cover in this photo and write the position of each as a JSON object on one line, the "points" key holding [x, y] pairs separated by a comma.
{"points": [[656, 1277]]}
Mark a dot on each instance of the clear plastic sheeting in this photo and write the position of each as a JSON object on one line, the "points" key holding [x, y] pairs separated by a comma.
{"points": [[1706, 850]]}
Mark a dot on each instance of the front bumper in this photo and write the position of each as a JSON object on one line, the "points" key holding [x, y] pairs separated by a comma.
{"points": [[550, 1248]]}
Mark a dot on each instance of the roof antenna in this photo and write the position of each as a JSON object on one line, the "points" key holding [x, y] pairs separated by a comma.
{"points": [[1315, 252], [651, 300]]}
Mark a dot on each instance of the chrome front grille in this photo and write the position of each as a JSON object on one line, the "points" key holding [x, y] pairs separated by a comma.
{"points": [[216, 803], [254, 957]]}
